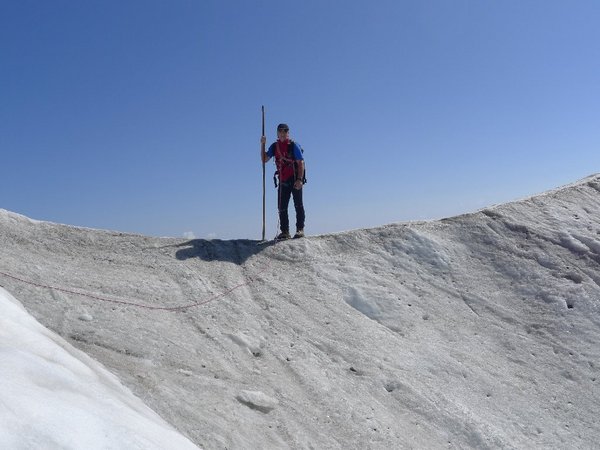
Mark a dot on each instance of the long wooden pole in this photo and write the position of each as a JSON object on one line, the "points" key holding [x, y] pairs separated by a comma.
{"points": [[262, 152]]}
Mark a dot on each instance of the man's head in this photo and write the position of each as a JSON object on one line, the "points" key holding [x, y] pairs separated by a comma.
{"points": [[283, 131]]}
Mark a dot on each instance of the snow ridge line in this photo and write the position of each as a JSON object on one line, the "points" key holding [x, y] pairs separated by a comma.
{"points": [[135, 303]]}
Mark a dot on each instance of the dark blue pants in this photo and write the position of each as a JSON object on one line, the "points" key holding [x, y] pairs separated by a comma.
{"points": [[286, 190]]}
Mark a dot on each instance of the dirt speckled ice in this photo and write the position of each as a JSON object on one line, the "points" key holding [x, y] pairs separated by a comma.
{"points": [[477, 331]]}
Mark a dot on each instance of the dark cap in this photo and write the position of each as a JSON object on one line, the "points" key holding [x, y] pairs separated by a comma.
{"points": [[283, 126]]}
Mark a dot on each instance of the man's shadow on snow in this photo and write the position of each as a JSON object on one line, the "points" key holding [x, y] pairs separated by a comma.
{"points": [[235, 251]]}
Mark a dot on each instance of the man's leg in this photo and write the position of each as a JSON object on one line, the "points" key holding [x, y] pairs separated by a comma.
{"points": [[299, 206], [285, 192]]}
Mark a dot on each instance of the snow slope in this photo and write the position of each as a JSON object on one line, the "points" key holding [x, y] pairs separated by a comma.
{"points": [[477, 331], [55, 396]]}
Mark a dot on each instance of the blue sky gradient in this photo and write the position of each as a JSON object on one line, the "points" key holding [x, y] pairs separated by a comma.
{"points": [[144, 116]]}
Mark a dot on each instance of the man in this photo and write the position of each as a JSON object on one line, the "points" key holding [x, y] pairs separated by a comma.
{"points": [[290, 168]]}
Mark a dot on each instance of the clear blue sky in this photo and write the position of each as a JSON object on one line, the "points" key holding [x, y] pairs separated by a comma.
{"points": [[144, 116]]}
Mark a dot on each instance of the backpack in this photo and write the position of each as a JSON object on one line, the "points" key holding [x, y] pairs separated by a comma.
{"points": [[291, 156]]}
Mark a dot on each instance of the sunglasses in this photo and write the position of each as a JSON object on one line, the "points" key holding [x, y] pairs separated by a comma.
{"points": [[285, 130]]}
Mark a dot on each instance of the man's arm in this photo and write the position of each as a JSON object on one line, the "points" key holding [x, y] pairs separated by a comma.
{"points": [[300, 169], [263, 155]]}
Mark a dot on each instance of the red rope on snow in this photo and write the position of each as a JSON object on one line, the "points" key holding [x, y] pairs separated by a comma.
{"points": [[133, 303]]}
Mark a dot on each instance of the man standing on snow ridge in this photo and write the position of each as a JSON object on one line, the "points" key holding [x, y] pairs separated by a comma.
{"points": [[290, 168]]}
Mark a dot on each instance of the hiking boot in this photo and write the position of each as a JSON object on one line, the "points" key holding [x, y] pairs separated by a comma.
{"points": [[283, 235], [299, 234]]}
